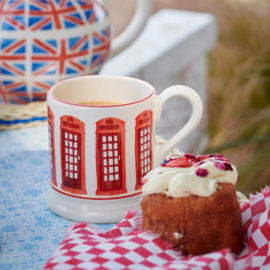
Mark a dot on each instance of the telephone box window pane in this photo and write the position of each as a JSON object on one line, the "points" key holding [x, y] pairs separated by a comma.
{"points": [[75, 145], [145, 162], [70, 151], [141, 132], [142, 171], [145, 146], [148, 130], [66, 150], [109, 138], [110, 146], [115, 138], [115, 145], [71, 175], [71, 159], [66, 173], [148, 152], [111, 178], [116, 169], [75, 152], [110, 161], [141, 155], [70, 167], [75, 168], [148, 160], [145, 139], [145, 131], [142, 148], [142, 163], [148, 167], [66, 135], [75, 137], [115, 153], [110, 169], [148, 145], [148, 137], [66, 143], [104, 154], [141, 140], [104, 146], [70, 144], [105, 178], [70, 136], [75, 160], [66, 166], [104, 138], [76, 176], [145, 154], [105, 162], [116, 176], [66, 158], [116, 161], [105, 170], [110, 153]]}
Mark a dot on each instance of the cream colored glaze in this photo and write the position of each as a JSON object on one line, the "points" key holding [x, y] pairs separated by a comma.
{"points": [[183, 182]]}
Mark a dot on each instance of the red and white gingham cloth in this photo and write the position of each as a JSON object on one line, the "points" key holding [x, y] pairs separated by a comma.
{"points": [[126, 246]]}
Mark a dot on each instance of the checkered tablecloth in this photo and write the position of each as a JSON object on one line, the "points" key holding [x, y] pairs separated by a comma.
{"points": [[126, 246]]}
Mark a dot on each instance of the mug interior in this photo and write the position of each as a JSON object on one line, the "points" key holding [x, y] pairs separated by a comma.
{"points": [[102, 88]]}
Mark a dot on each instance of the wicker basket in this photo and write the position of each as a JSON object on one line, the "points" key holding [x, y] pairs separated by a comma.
{"points": [[23, 116]]}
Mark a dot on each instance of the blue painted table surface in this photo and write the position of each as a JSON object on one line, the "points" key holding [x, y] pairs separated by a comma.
{"points": [[29, 231]]}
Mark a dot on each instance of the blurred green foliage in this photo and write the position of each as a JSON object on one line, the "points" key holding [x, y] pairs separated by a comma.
{"points": [[239, 90]]}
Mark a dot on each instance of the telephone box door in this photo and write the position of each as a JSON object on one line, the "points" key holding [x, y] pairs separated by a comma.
{"points": [[72, 161], [72, 149], [51, 146], [110, 156], [110, 136], [143, 146]]}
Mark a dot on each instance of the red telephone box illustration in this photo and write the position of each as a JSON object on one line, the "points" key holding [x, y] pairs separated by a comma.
{"points": [[143, 145], [110, 157], [73, 155], [51, 146]]}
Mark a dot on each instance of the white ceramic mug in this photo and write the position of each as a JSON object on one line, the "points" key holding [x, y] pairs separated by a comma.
{"points": [[98, 154]]}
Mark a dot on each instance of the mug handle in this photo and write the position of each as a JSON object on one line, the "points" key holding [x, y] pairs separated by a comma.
{"points": [[193, 97], [135, 27]]}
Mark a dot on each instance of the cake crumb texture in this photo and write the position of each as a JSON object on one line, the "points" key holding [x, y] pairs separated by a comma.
{"points": [[205, 224]]}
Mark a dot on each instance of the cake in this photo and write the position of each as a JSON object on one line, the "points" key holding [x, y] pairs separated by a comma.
{"points": [[191, 202]]}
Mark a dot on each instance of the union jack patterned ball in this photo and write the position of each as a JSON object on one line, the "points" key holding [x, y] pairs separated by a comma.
{"points": [[45, 41]]}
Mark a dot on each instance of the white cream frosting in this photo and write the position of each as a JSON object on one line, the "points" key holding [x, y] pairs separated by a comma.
{"points": [[183, 182], [241, 197]]}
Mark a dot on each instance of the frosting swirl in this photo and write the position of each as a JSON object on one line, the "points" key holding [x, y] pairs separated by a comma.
{"points": [[198, 178]]}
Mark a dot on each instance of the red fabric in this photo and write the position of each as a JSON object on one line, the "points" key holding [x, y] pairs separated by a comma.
{"points": [[126, 246]]}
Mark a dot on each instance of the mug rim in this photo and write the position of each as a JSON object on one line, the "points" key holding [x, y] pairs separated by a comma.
{"points": [[50, 92]]}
